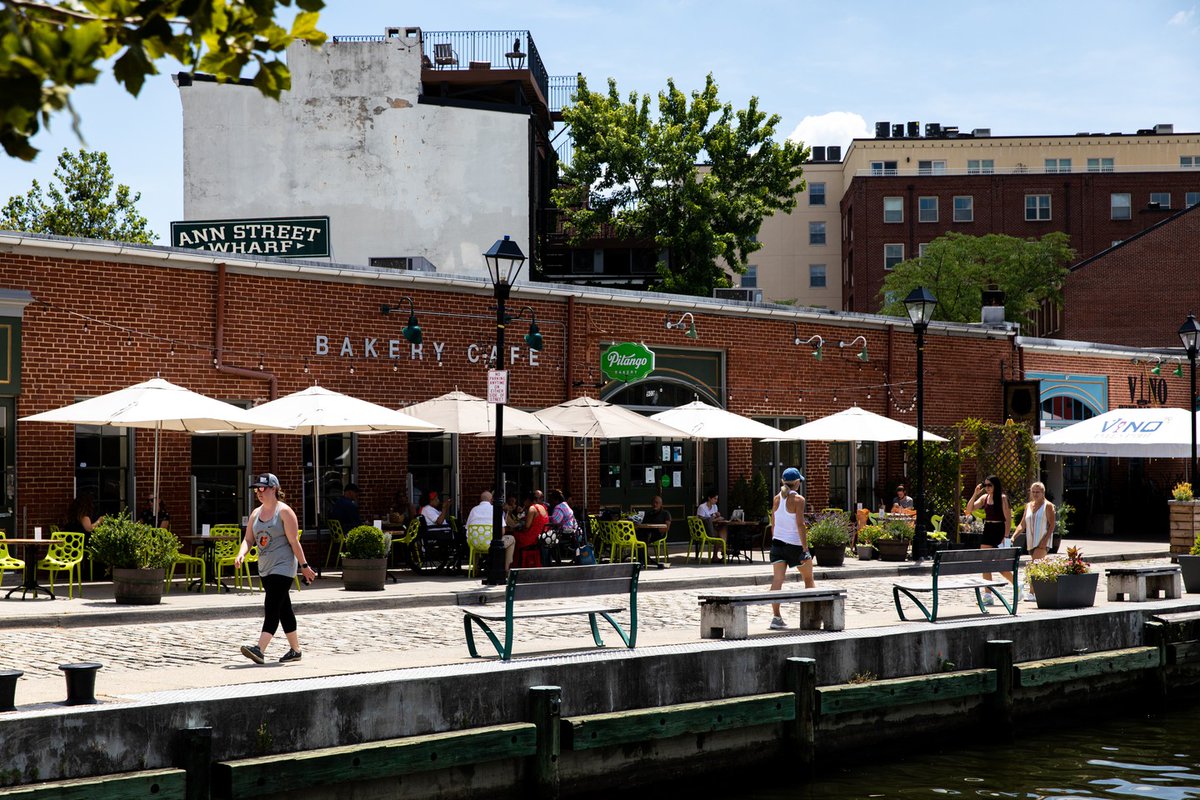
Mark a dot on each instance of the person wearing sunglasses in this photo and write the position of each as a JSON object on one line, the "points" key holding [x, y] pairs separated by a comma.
{"points": [[273, 528], [997, 519]]}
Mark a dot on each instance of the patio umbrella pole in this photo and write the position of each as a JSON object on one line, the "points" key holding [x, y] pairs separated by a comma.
{"points": [[157, 436], [317, 483]]}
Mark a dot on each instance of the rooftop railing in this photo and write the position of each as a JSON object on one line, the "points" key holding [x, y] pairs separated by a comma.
{"points": [[1017, 169], [562, 91], [495, 49]]}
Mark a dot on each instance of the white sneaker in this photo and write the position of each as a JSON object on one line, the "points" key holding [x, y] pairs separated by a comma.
{"points": [[988, 600], [777, 624], [1028, 597]]}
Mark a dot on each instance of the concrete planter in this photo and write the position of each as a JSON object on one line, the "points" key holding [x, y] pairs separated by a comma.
{"points": [[865, 552], [138, 587], [1184, 518], [364, 574], [1069, 591], [1190, 566], [829, 555]]}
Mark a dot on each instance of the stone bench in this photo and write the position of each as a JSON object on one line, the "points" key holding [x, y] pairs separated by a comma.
{"points": [[1139, 584], [723, 616]]}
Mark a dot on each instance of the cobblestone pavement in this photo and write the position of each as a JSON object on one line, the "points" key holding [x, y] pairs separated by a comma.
{"points": [[126, 647]]}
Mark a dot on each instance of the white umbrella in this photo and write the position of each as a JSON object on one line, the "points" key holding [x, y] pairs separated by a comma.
{"points": [[589, 418], [317, 411], [160, 405], [856, 425], [1125, 432], [703, 421]]}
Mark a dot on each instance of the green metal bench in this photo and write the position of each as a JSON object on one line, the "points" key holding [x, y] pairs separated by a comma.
{"points": [[554, 583], [970, 563]]}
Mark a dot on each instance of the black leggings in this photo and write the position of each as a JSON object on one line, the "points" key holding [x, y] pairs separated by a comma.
{"points": [[278, 605]]}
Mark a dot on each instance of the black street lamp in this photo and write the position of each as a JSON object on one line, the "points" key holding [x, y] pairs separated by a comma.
{"points": [[1189, 334], [920, 304], [504, 261]]}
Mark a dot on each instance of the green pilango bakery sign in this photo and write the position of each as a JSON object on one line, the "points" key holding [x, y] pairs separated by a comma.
{"points": [[627, 361]]}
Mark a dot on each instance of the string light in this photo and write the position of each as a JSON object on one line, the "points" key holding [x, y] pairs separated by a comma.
{"points": [[260, 362]]}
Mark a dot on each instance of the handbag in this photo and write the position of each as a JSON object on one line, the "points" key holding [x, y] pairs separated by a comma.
{"points": [[585, 555]]}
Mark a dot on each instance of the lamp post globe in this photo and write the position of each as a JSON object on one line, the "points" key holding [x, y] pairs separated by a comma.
{"points": [[920, 304], [504, 260], [1189, 334]]}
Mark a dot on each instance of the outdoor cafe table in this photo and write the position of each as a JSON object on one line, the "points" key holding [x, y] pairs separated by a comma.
{"points": [[30, 582], [741, 536], [651, 532], [209, 545]]}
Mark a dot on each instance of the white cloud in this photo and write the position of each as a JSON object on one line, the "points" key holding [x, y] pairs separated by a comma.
{"points": [[834, 128], [1182, 18]]}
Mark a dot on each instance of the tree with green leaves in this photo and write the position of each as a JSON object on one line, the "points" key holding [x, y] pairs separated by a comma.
{"points": [[82, 204], [956, 268], [692, 184], [47, 49]]}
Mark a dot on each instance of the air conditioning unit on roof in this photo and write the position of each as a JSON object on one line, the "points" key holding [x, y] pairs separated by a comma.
{"points": [[738, 293]]}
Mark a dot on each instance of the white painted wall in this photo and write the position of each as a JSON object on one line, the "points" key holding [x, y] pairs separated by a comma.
{"points": [[350, 142]]}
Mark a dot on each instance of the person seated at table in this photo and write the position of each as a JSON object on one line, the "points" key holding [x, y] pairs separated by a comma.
{"points": [[483, 514], [439, 525], [711, 515], [161, 520], [562, 518], [512, 512], [345, 509], [535, 522], [901, 502], [80, 516]]}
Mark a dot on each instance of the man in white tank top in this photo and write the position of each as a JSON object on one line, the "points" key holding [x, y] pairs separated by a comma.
{"points": [[789, 539]]}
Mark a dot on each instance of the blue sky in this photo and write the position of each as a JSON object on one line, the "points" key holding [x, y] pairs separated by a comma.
{"points": [[829, 69]]}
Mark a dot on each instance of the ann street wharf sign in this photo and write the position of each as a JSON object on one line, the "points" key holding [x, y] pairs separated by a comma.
{"points": [[283, 237], [627, 361]]}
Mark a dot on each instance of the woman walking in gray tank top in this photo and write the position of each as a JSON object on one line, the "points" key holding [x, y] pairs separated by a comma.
{"points": [[274, 529]]}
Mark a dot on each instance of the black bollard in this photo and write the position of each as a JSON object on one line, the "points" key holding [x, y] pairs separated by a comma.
{"points": [[8, 689], [81, 682]]}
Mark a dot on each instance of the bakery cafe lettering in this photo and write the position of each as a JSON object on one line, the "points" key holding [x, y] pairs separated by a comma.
{"points": [[400, 349]]}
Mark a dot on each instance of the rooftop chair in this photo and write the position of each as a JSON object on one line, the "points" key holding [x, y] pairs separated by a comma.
{"points": [[444, 56]]}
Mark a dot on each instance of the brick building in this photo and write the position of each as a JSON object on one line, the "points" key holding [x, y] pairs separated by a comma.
{"points": [[84, 318]]}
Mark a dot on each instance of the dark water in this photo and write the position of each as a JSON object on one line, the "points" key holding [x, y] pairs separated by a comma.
{"points": [[1153, 756]]}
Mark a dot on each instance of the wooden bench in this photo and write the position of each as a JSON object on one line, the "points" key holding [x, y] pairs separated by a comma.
{"points": [[552, 583], [1139, 584], [970, 563], [723, 616], [161, 784]]}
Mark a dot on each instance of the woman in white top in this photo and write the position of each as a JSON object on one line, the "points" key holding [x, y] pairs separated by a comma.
{"points": [[709, 512], [1037, 523], [789, 539]]}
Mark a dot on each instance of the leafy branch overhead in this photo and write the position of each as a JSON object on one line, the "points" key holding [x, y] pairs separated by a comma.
{"points": [[696, 179], [47, 49]]}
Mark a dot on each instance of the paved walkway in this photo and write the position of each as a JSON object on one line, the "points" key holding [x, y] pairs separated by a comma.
{"points": [[192, 639]]}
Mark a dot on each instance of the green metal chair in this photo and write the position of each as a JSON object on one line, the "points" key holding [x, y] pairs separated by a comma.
{"points": [[65, 555], [7, 561], [622, 537], [699, 539]]}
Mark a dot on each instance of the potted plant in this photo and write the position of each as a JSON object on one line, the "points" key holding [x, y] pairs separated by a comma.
{"points": [[936, 540], [865, 543], [970, 531], [892, 544], [828, 539], [1184, 510], [364, 560], [1059, 582], [1190, 564], [138, 555]]}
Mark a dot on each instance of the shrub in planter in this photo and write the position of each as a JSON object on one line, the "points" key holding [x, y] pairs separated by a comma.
{"points": [[893, 543], [365, 541], [364, 559], [865, 543], [1059, 582], [828, 539], [138, 554], [1182, 492]]}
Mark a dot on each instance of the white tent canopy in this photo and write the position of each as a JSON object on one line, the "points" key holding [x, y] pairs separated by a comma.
{"points": [[856, 425], [1125, 432], [702, 421]]}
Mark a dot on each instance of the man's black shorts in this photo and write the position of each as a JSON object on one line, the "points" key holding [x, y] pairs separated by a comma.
{"points": [[793, 554]]}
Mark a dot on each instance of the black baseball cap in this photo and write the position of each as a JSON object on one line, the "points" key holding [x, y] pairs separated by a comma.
{"points": [[267, 481]]}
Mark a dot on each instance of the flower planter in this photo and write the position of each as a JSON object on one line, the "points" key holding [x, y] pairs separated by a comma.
{"points": [[892, 549], [1069, 591], [1191, 573], [936, 545], [364, 574], [1184, 524], [138, 587], [865, 552], [829, 555], [969, 541]]}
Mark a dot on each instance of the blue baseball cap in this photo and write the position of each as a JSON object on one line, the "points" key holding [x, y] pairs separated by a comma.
{"points": [[792, 474]]}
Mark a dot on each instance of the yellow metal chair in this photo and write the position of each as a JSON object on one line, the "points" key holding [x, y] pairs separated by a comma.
{"points": [[65, 555], [409, 542], [225, 550], [193, 569], [337, 539], [479, 542], [699, 539], [7, 561], [622, 537], [660, 547]]}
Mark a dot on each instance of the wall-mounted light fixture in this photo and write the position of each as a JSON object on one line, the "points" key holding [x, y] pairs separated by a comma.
{"points": [[861, 355], [412, 331], [1178, 371], [687, 317], [534, 337], [818, 349], [1157, 368]]}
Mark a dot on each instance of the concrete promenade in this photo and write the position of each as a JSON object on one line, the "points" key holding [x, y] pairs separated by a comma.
{"points": [[191, 640]]}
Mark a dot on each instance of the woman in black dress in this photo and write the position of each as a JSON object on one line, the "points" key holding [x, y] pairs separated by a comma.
{"points": [[997, 519]]}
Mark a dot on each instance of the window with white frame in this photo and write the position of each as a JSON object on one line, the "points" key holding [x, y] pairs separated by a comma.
{"points": [[931, 167], [1101, 165], [964, 208], [927, 209], [1162, 198], [921, 248], [1037, 207], [816, 233], [893, 209], [816, 276], [883, 167], [893, 254], [1190, 199], [816, 194], [1189, 162], [1058, 165], [981, 166], [1121, 206]]}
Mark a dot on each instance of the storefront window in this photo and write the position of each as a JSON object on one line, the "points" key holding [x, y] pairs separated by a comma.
{"points": [[772, 458], [102, 466], [219, 475], [335, 465], [522, 460]]}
